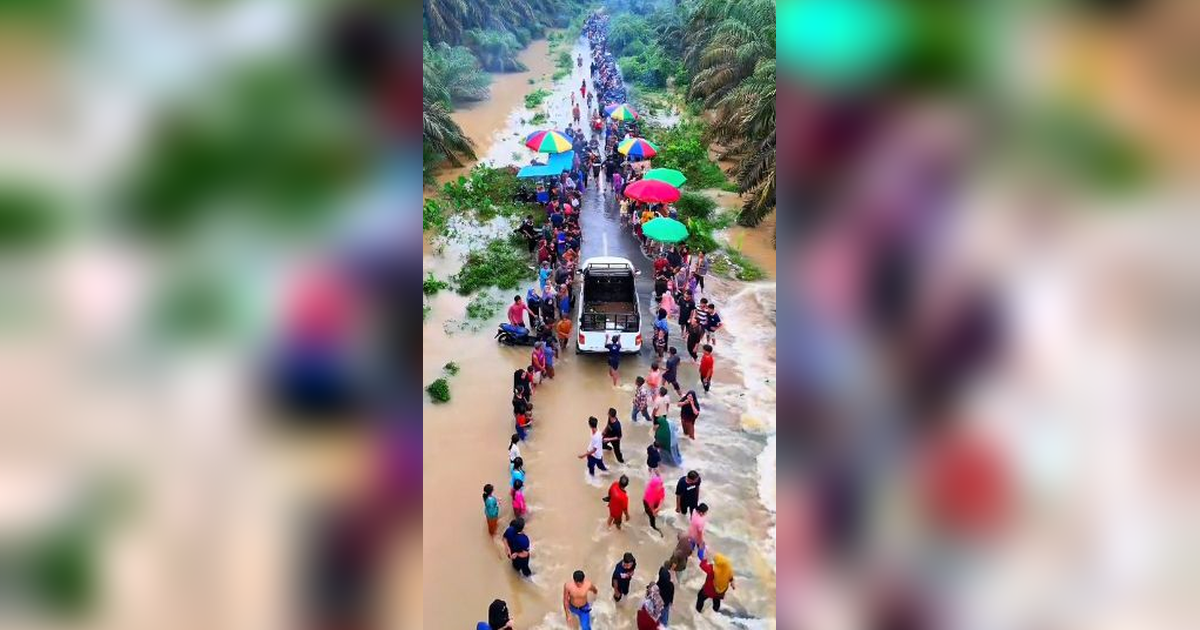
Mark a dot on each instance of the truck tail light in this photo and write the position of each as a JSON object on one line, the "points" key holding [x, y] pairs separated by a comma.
{"points": [[638, 341], [581, 339]]}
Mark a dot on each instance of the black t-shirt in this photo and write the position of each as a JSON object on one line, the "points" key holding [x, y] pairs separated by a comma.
{"points": [[672, 365], [674, 259], [613, 430], [689, 492], [622, 575], [653, 458], [685, 310]]}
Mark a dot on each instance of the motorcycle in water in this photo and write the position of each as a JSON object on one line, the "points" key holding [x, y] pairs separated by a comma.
{"points": [[510, 335]]}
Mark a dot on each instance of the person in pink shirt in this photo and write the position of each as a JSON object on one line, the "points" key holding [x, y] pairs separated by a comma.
{"points": [[652, 499], [538, 361], [516, 312], [520, 510], [696, 528], [654, 378]]}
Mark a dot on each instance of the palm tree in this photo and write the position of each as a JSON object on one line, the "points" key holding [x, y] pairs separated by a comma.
{"points": [[442, 135], [730, 48], [452, 74]]}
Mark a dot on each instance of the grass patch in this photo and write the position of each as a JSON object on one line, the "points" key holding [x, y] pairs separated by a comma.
{"points": [[536, 97], [560, 74], [694, 205], [483, 306], [538, 120], [730, 187], [499, 264], [433, 216], [431, 285], [439, 390], [564, 61], [451, 368], [425, 312], [742, 267]]}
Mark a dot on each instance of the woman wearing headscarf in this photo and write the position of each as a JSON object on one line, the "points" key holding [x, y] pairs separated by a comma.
{"points": [[521, 393], [666, 590], [718, 581], [651, 610]]}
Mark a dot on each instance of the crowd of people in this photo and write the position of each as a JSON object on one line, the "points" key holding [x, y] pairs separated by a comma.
{"points": [[556, 247]]}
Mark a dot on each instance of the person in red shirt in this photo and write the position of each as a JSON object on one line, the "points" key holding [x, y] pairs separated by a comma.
{"points": [[706, 367], [618, 502], [966, 484], [660, 264], [516, 312]]}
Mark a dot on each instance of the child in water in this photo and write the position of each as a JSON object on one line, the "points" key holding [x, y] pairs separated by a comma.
{"points": [[491, 509], [519, 507]]}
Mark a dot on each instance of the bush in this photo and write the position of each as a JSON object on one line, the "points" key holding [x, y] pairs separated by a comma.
{"points": [[694, 205], [564, 61], [451, 368], [497, 50], [539, 119], [683, 148], [499, 264], [483, 306], [536, 97], [28, 218], [431, 285], [700, 236], [483, 188], [439, 391], [744, 268], [433, 215]]}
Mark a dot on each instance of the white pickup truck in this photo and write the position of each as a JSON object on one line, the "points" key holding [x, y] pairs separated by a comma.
{"points": [[608, 305]]}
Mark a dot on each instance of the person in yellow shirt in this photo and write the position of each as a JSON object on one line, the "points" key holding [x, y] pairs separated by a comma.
{"points": [[647, 215]]}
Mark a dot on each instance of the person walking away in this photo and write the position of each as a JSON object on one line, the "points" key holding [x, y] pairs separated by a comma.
{"points": [[575, 600], [518, 499], [614, 357], [491, 509], [666, 591], [687, 493], [612, 435], [575, 113], [514, 451], [689, 410], [701, 269], [518, 546], [549, 351], [706, 367], [641, 400], [653, 458], [661, 332], [654, 377], [718, 581], [671, 373], [618, 502], [696, 527], [681, 554], [583, 88], [651, 610], [652, 498], [498, 618], [595, 449], [622, 576]]}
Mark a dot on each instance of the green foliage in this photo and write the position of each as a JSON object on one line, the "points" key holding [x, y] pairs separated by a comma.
{"points": [[1073, 141], [539, 119], [433, 215], [439, 391], [431, 285], [271, 143], [536, 97], [700, 236], [649, 67], [694, 205], [626, 31], [29, 218], [744, 268], [451, 368], [193, 306], [483, 306], [683, 148], [499, 264], [482, 191], [497, 50], [452, 74], [564, 61]]}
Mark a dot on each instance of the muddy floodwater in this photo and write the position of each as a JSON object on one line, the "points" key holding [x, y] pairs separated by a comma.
{"points": [[466, 441]]}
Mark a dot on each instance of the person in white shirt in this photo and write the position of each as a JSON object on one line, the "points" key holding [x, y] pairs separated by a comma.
{"points": [[514, 451], [595, 450]]}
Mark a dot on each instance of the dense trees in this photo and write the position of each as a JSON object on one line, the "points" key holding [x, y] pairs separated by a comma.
{"points": [[729, 47]]}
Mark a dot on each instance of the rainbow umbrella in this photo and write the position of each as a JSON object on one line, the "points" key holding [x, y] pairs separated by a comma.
{"points": [[652, 191], [665, 230], [622, 112], [668, 175], [637, 148], [548, 142]]}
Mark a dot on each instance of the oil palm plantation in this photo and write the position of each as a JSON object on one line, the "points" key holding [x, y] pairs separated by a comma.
{"points": [[729, 47]]}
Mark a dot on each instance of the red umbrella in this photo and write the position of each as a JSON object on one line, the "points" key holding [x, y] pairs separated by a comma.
{"points": [[652, 191]]}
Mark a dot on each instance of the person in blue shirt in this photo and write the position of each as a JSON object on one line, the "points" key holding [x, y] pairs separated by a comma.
{"points": [[549, 351], [614, 358], [544, 274], [517, 545]]}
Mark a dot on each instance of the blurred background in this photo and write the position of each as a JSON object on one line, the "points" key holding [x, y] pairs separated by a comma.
{"points": [[202, 215], [989, 422]]}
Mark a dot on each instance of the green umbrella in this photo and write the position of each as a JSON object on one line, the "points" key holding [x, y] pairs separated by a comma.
{"points": [[841, 43], [665, 230], [668, 175]]}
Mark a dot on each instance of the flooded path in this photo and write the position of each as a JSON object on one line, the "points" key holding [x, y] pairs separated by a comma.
{"points": [[466, 444]]}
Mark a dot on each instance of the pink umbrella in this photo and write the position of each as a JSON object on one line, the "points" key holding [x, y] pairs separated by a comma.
{"points": [[652, 191]]}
